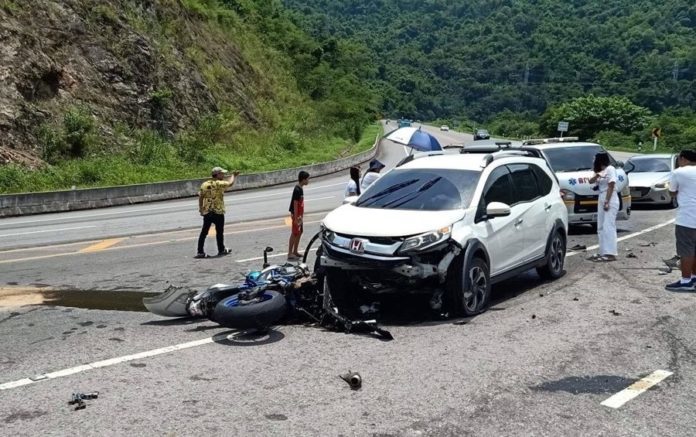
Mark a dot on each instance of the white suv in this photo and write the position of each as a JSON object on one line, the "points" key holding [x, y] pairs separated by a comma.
{"points": [[449, 225]]}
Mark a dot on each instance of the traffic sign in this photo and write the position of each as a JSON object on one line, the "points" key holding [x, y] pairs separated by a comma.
{"points": [[656, 132], [562, 126]]}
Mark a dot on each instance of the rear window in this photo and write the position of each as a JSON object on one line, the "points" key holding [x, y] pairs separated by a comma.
{"points": [[574, 158], [421, 189]]}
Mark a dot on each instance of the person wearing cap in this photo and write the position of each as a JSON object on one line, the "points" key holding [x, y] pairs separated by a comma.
{"points": [[372, 174], [211, 205]]}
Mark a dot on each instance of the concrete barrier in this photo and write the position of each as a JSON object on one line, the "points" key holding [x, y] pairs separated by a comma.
{"points": [[72, 200]]}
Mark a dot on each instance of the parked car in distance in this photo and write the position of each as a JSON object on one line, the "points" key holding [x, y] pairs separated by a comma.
{"points": [[448, 225], [572, 162], [481, 134], [649, 178], [444, 127]]}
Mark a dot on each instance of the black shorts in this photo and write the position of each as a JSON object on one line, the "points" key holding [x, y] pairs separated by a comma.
{"points": [[686, 241]]}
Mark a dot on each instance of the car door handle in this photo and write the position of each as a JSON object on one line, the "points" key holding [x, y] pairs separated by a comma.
{"points": [[519, 222], [547, 207]]}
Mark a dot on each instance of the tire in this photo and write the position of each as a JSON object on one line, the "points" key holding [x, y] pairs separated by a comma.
{"points": [[594, 227], [460, 280], [259, 314], [555, 257]]}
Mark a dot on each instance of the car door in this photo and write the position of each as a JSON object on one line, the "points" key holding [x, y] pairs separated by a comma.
{"points": [[501, 235], [529, 210]]}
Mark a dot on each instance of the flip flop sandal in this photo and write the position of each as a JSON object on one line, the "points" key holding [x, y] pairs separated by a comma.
{"points": [[201, 255], [594, 257], [604, 259]]}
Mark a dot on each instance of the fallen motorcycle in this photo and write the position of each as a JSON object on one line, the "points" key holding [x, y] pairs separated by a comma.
{"points": [[288, 291]]}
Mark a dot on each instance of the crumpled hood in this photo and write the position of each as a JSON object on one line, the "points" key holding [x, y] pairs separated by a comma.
{"points": [[377, 222], [648, 179]]}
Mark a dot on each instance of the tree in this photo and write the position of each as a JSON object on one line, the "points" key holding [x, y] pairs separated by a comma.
{"points": [[592, 114]]}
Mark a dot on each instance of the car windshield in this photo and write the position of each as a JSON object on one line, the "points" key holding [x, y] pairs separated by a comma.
{"points": [[573, 158], [483, 132], [421, 189], [650, 165]]}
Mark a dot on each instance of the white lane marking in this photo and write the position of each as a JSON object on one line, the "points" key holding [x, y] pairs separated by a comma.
{"points": [[154, 208], [46, 230], [104, 363], [626, 237], [269, 256], [636, 389]]}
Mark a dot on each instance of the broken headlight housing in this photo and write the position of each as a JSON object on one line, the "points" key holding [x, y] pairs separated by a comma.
{"points": [[425, 241]]}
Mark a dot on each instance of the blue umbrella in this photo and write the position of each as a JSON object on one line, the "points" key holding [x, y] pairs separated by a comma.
{"points": [[414, 138]]}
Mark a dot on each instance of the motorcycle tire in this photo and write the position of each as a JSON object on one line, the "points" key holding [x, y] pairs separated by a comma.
{"points": [[232, 313]]}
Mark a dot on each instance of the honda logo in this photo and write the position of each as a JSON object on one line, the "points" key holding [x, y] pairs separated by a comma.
{"points": [[357, 245]]}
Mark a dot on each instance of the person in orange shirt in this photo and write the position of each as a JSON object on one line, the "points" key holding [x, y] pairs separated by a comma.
{"points": [[211, 205], [297, 213]]}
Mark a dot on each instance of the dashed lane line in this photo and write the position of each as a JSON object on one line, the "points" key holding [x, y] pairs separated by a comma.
{"points": [[635, 389], [104, 363], [102, 245], [131, 246], [14, 234]]}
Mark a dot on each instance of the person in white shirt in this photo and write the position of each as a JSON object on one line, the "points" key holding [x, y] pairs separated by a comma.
{"points": [[353, 187], [372, 174], [683, 185], [607, 208]]}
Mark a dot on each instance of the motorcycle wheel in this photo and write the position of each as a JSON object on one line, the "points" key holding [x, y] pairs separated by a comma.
{"points": [[262, 313]]}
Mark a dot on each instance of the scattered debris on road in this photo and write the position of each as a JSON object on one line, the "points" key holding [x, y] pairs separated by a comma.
{"points": [[652, 243], [533, 316], [614, 312], [78, 399], [353, 379], [578, 247], [576, 299], [631, 255]]}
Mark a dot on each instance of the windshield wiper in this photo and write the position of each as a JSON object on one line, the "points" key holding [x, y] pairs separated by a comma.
{"points": [[387, 191], [426, 186]]}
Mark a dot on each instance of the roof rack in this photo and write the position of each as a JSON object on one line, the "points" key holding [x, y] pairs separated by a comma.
{"points": [[486, 148], [535, 141], [417, 155]]}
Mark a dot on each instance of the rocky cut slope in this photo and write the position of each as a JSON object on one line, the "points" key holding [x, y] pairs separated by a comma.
{"points": [[127, 64]]}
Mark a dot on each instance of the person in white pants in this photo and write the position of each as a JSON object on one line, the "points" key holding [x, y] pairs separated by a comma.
{"points": [[607, 208]]}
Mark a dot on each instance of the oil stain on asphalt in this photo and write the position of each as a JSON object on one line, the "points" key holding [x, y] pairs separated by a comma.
{"points": [[600, 384], [86, 299]]}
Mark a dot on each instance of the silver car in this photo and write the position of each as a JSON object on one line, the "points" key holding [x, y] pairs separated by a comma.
{"points": [[649, 179]]}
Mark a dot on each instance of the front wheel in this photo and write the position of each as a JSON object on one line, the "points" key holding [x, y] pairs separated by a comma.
{"points": [[555, 258], [469, 287], [261, 312]]}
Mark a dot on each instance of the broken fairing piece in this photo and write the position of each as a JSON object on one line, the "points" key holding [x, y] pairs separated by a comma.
{"points": [[78, 399], [652, 243], [672, 262], [353, 379], [631, 255]]}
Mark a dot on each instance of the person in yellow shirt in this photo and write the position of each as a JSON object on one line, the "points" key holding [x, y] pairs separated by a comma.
{"points": [[211, 205]]}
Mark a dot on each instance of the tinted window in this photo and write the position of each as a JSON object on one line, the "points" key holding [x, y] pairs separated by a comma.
{"points": [[421, 189], [543, 180], [525, 182], [573, 158], [498, 187], [645, 165]]}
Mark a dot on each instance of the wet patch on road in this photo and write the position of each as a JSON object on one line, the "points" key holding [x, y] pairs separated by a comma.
{"points": [[86, 299], [600, 384]]}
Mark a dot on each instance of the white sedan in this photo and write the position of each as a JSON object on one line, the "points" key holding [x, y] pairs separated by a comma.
{"points": [[649, 178]]}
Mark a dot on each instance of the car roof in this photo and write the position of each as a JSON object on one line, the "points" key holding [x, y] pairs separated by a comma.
{"points": [[563, 145], [654, 155], [467, 161]]}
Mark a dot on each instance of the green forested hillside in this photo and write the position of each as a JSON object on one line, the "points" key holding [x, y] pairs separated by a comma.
{"points": [[476, 58]]}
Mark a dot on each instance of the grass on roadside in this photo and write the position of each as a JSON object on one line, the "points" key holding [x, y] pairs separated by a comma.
{"points": [[156, 160]]}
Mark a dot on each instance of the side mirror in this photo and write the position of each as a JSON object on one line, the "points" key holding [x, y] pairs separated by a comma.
{"points": [[350, 200], [629, 167], [620, 164], [497, 209]]}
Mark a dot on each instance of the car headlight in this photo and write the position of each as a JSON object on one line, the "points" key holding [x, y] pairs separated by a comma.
{"points": [[426, 240], [567, 195], [662, 185]]}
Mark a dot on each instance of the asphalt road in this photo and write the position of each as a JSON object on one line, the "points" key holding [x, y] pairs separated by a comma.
{"points": [[539, 362]]}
